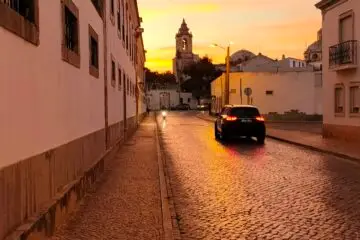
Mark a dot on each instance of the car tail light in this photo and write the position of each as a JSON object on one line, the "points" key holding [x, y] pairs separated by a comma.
{"points": [[231, 118], [260, 119]]}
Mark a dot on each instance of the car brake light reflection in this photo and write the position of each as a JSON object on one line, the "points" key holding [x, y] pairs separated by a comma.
{"points": [[231, 118], [260, 119]]}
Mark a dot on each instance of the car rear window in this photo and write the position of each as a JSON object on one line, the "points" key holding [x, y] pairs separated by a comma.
{"points": [[244, 112]]}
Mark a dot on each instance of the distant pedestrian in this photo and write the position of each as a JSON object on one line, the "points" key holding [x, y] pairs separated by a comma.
{"points": [[147, 110]]}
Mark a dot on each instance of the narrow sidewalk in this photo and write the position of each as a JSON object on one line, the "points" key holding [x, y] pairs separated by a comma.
{"points": [[126, 203], [310, 140]]}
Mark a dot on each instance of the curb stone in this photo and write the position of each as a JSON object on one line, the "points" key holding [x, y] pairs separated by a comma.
{"points": [[317, 149], [170, 226]]}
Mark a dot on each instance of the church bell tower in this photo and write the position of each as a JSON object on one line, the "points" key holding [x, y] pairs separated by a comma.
{"points": [[184, 40], [184, 51]]}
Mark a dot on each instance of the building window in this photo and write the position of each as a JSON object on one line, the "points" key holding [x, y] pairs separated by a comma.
{"points": [[70, 42], [314, 57], [130, 42], [119, 80], [184, 44], [346, 27], [94, 53], [339, 100], [112, 7], [21, 17], [118, 18], [123, 20], [136, 53], [269, 92], [112, 12], [71, 31], [127, 34], [127, 30], [132, 89], [94, 57], [98, 4], [124, 80], [355, 99], [113, 73], [127, 85]]}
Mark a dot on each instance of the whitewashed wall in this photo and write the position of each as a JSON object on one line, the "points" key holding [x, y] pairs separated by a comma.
{"points": [[44, 101], [121, 55], [291, 90], [154, 98]]}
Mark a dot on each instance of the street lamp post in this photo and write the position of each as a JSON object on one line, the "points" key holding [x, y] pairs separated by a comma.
{"points": [[227, 72], [227, 76]]}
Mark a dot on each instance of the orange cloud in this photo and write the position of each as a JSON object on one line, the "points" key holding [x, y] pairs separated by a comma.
{"points": [[270, 27]]}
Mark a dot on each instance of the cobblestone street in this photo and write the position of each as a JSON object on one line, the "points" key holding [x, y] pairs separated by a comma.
{"points": [[245, 191], [126, 203]]}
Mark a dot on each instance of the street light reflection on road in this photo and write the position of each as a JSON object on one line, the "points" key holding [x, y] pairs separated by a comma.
{"points": [[163, 124]]}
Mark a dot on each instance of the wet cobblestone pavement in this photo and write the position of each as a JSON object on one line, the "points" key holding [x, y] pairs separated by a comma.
{"points": [[241, 190], [126, 203]]}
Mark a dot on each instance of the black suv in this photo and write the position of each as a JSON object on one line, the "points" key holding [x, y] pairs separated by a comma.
{"points": [[240, 120]]}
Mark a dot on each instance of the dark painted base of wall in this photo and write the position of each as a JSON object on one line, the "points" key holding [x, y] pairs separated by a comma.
{"points": [[38, 193], [346, 133]]}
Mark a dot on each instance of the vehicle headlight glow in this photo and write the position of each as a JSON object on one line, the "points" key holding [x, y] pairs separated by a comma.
{"points": [[163, 113]]}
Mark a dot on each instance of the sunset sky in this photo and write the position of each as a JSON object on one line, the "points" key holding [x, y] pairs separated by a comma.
{"points": [[267, 26]]}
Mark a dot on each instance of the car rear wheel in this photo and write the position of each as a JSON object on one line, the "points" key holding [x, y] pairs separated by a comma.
{"points": [[224, 136], [261, 139], [217, 135]]}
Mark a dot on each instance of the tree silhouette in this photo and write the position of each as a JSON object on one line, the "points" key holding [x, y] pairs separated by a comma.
{"points": [[200, 75], [155, 80]]}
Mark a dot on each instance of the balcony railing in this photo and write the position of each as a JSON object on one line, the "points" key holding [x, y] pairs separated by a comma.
{"points": [[343, 54]]}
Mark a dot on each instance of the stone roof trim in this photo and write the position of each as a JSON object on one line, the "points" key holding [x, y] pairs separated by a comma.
{"points": [[324, 4], [292, 58]]}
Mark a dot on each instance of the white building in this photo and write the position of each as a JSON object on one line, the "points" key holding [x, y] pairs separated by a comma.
{"points": [[272, 92], [292, 63], [169, 98], [340, 51], [262, 63], [255, 63], [69, 73]]}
